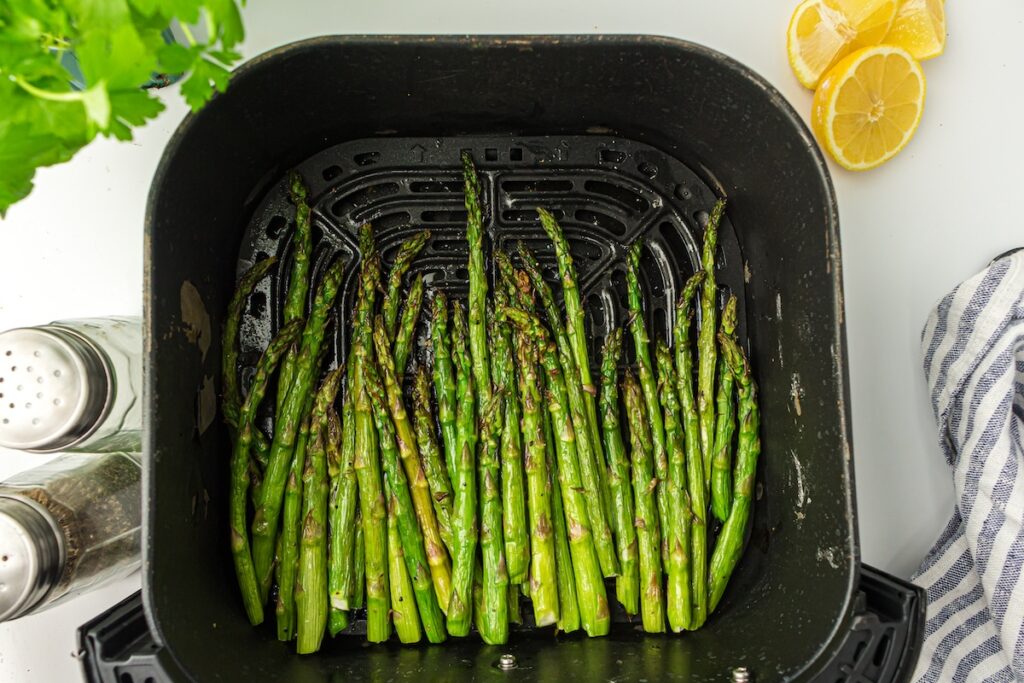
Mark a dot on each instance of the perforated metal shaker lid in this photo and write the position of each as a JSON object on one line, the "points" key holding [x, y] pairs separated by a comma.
{"points": [[55, 388], [31, 556]]}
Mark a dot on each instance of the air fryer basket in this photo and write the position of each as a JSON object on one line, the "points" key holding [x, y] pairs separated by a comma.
{"points": [[628, 138]]}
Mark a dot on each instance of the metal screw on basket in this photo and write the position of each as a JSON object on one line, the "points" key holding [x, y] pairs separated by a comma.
{"points": [[741, 674], [506, 662]]}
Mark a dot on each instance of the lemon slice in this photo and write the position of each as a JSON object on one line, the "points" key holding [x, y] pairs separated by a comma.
{"points": [[868, 107], [920, 28], [821, 32]]}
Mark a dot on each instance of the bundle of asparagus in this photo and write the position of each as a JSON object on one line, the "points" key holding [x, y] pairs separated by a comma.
{"points": [[505, 471]]}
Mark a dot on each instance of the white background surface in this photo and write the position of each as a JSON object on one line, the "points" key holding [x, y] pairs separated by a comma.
{"points": [[910, 231]]}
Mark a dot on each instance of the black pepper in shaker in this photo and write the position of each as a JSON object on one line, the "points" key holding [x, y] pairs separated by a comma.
{"points": [[66, 527]]}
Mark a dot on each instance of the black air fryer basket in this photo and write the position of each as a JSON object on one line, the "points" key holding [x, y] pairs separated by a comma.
{"points": [[626, 138]]}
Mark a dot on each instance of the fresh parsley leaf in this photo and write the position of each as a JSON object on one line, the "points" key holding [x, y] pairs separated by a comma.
{"points": [[118, 45]]}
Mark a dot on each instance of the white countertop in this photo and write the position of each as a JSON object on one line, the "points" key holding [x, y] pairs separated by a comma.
{"points": [[910, 231]]}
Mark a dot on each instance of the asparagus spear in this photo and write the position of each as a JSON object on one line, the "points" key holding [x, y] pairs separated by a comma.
{"points": [[576, 331], [403, 604], [298, 282], [694, 458], [729, 546], [517, 544], [493, 622], [706, 355], [407, 327], [464, 524], [287, 565], [311, 582], [403, 259], [725, 425], [341, 511], [440, 566], [370, 487], [267, 516], [649, 386], [591, 461], [627, 585], [433, 464], [568, 602], [590, 591], [357, 599], [652, 608], [679, 596], [244, 566], [444, 378], [229, 359], [543, 584], [414, 541], [477, 283]]}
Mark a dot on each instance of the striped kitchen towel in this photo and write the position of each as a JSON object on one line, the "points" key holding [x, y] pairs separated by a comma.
{"points": [[974, 361]]}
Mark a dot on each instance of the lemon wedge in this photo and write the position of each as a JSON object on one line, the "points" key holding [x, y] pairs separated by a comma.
{"points": [[920, 28], [821, 32], [869, 105]]}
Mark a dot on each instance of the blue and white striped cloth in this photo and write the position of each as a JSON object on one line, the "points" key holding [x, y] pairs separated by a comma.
{"points": [[974, 361]]}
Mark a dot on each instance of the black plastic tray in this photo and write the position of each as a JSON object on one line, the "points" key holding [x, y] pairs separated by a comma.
{"points": [[881, 647], [627, 136]]}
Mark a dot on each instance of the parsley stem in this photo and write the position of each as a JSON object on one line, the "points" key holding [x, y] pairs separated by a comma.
{"points": [[69, 96], [188, 34]]}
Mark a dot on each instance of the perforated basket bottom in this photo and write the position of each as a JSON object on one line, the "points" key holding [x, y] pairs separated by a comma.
{"points": [[606, 192]]}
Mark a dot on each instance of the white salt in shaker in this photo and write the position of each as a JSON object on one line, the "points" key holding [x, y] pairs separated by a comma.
{"points": [[72, 385]]}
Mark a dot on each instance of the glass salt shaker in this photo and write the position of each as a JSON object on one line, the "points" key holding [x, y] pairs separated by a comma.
{"points": [[72, 385], [66, 527]]}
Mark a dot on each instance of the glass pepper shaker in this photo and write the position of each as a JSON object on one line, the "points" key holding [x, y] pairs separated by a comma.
{"points": [[72, 385], [66, 527]]}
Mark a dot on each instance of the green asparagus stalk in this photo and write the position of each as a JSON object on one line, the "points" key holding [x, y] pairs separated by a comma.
{"points": [[725, 425], [311, 598], [440, 566], [477, 305], [568, 603], [444, 378], [543, 584], [260, 451], [517, 543], [415, 544], [244, 566], [576, 331], [649, 386], [694, 458], [342, 503], [403, 259], [369, 482], [706, 352], [515, 614], [627, 584], [232, 400], [652, 608], [591, 461], [679, 595], [268, 512], [403, 604], [590, 591], [729, 545], [407, 328], [287, 566], [357, 599], [298, 282], [493, 622], [341, 511], [464, 521], [433, 463]]}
